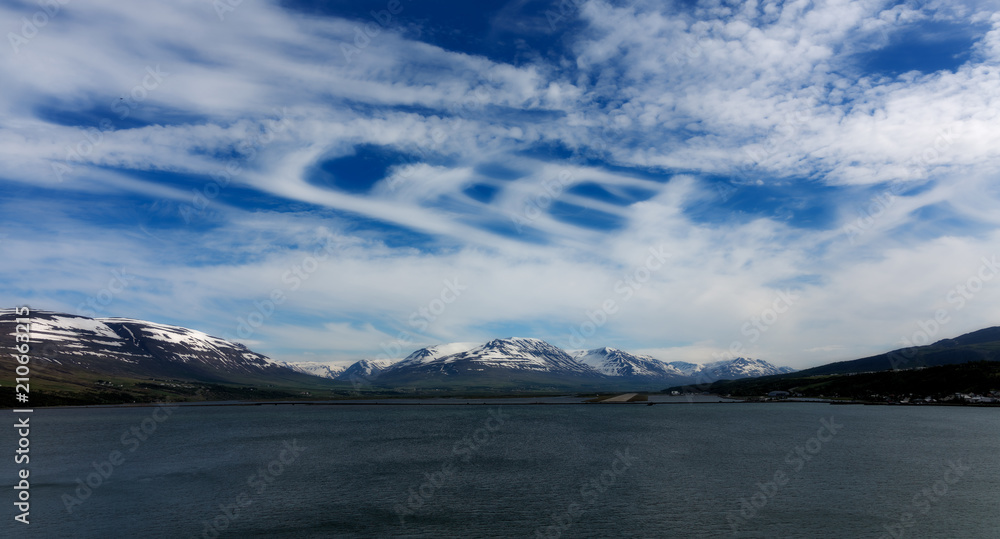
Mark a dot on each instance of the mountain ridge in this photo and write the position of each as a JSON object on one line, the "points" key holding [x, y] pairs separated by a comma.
{"points": [[613, 365], [858, 377], [112, 347]]}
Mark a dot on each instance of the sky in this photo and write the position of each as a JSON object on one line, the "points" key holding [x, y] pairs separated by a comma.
{"points": [[801, 182]]}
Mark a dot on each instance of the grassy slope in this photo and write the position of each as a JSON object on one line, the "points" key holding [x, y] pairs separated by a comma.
{"points": [[982, 345], [979, 377], [907, 370], [57, 385]]}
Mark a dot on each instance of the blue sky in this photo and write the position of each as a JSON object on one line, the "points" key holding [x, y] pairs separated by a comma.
{"points": [[801, 182]]}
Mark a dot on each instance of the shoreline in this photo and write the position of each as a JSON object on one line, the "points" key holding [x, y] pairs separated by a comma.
{"points": [[499, 401]]}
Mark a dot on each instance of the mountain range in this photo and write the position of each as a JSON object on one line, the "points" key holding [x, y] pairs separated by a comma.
{"points": [[365, 369], [80, 360], [525, 360], [122, 346], [76, 359], [515, 363], [72, 353], [968, 363]]}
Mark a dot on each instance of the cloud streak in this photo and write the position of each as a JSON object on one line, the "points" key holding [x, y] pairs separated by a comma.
{"points": [[743, 141]]}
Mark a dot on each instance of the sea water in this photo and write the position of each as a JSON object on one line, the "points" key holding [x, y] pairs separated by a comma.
{"points": [[506, 470]]}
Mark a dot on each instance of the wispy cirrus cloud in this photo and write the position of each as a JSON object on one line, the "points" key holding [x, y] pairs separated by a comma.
{"points": [[743, 141]]}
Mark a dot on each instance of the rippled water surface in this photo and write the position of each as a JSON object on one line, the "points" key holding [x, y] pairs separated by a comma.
{"points": [[703, 470]]}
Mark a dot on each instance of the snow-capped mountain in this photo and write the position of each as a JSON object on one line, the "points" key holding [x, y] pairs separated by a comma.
{"points": [[685, 368], [740, 367], [510, 358], [515, 361], [431, 353], [139, 348], [323, 370], [515, 353], [520, 353], [366, 369], [614, 362]]}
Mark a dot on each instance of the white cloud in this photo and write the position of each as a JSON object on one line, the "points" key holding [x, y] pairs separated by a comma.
{"points": [[651, 89]]}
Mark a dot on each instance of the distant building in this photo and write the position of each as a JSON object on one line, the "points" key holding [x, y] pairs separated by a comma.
{"points": [[778, 394]]}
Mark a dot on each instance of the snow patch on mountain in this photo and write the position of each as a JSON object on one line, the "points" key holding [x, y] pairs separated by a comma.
{"points": [[516, 353], [432, 353], [323, 370], [537, 355], [67, 328], [71, 339], [741, 367], [366, 369], [614, 362], [520, 353], [78, 339], [685, 368]]}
